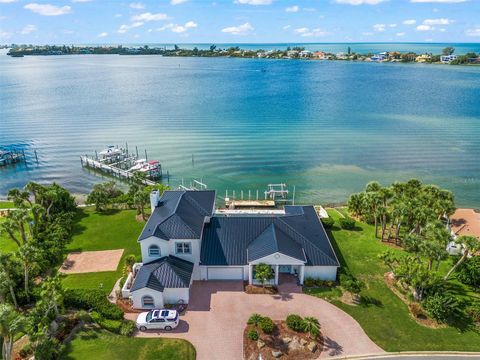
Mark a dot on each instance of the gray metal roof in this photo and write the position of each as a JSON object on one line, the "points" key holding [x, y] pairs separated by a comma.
{"points": [[273, 240], [166, 272], [226, 238], [180, 215]]}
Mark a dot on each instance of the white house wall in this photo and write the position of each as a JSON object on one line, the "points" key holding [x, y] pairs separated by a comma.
{"points": [[172, 295], [140, 293], [321, 272], [152, 240]]}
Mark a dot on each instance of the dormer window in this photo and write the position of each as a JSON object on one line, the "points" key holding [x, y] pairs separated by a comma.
{"points": [[183, 248], [154, 251]]}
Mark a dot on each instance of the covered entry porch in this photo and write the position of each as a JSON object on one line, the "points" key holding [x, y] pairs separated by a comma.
{"points": [[281, 273]]}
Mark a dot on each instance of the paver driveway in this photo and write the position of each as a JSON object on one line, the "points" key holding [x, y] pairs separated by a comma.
{"points": [[218, 312]]}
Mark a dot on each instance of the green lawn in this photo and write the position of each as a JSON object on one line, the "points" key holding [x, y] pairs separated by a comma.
{"points": [[102, 345], [386, 318], [6, 204], [114, 229]]}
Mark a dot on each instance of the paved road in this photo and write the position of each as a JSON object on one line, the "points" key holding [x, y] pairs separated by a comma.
{"points": [[218, 312]]}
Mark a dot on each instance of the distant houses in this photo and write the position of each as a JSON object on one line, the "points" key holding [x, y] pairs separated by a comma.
{"points": [[423, 58], [447, 59]]}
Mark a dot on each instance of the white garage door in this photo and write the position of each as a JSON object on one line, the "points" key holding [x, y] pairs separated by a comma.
{"points": [[225, 273]]}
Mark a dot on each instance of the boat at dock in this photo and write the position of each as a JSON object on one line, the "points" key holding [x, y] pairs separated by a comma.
{"points": [[139, 164], [110, 151]]}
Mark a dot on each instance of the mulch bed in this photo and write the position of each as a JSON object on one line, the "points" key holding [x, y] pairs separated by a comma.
{"points": [[258, 289], [292, 348], [126, 306]]}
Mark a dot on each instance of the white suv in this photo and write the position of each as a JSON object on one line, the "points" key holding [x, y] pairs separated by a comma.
{"points": [[158, 319]]}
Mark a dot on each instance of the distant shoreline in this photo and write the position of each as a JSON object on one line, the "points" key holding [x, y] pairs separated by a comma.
{"points": [[290, 53]]}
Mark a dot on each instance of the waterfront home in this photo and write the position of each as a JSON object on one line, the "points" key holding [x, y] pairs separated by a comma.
{"points": [[447, 59], [185, 239], [305, 54], [423, 58], [320, 55], [292, 53]]}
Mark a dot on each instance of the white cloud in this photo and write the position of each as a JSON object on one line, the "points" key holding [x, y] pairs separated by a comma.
{"points": [[4, 35], [102, 34], [7, 1], [117, 15], [146, 17], [302, 30], [294, 8], [48, 9], [367, 33], [473, 31], [400, 34], [81, 1], [239, 30], [379, 27], [191, 24], [439, 1], [392, 25], [176, 28], [137, 5], [441, 21], [177, 2], [286, 27], [124, 28], [28, 29], [410, 22], [253, 2], [360, 2], [424, 28], [307, 32]]}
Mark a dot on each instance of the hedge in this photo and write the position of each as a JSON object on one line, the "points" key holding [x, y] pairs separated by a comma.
{"points": [[88, 299]]}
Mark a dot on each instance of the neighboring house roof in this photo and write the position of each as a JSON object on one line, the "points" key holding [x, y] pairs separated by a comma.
{"points": [[273, 240], [465, 222], [226, 239], [166, 272], [180, 215]]}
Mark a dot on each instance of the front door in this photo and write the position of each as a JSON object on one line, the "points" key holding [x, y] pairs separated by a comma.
{"points": [[285, 269]]}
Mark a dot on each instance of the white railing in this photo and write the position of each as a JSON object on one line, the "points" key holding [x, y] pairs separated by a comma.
{"points": [[268, 282], [128, 283]]}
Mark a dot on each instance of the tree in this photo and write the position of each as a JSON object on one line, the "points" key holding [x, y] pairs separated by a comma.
{"points": [[103, 195], [141, 199], [51, 295], [312, 326], [448, 50], [11, 324], [130, 260], [433, 247], [263, 273], [470, 245], [6, 276], [469, 272]]}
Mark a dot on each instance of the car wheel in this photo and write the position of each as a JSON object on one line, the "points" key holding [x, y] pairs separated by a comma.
{"points": [[143, 328], [168, 328]]}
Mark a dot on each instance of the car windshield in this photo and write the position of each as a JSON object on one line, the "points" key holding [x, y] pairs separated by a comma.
{"points": [[149, 316]]}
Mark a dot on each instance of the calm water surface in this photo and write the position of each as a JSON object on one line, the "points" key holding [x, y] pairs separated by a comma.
{"points": [[325, 127]]}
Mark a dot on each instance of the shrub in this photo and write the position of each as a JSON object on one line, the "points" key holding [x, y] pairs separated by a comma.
{"points": [[47, 349], [253, 335], [469, 272], [26, 351], [328, 222], [347, 223], [83, 315], [351, 284], [267, 325], [473, 311], [128, 328], [440, 306], [96, 300], [254, 319], [295, 322], [309, 282]]}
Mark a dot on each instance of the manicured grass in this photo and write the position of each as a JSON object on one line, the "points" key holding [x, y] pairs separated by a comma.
{"points": [[102, 345], [6, 205], [6, 244], [385, 318], [114, 229]]}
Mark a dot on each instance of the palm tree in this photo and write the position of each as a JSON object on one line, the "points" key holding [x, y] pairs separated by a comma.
{"points": [[263, 273], [26, 254], [11, 323], [140, 199], [312, 326], [470, 246], [52, 294]]}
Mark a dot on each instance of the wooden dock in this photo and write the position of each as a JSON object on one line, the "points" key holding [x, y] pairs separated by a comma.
{"points": [[118, 163], [11, 156], [235, 204]]}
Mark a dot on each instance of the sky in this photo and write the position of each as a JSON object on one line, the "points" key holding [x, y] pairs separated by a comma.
{"points": [[238, 21]]}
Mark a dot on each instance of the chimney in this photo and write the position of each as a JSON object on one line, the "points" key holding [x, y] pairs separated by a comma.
{"points": [[154, 199]]}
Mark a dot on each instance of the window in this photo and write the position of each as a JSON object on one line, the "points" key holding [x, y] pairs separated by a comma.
{"points": [[147, 301], [154, 250], [183, 248]]}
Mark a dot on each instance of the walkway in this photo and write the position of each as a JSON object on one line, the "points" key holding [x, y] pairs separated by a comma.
{"points": [[218, 312]]}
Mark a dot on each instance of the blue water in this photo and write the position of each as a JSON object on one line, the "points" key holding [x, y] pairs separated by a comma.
{"points": [[325, 127]]}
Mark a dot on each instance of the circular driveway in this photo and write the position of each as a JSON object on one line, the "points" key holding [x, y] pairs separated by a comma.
{"points": [[218, 312]]}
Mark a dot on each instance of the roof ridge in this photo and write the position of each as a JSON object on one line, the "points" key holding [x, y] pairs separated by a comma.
{"points": [[195, 203], [184, 223], [305, 238]]}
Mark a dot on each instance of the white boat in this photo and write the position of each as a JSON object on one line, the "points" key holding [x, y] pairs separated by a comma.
{"points": [[150, 166], [139, 164], [110, 151]]}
